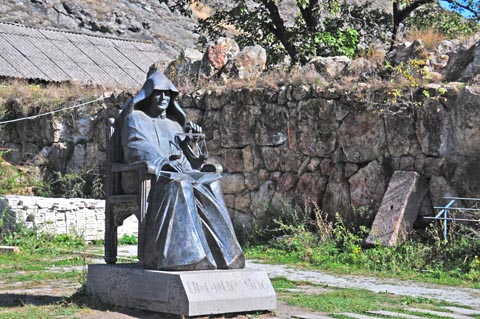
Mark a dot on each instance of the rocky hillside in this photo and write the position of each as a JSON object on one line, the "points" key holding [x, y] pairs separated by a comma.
{"points": [[134, 19], [140, 19]]}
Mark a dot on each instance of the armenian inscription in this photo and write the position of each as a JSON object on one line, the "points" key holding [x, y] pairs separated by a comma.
{"points": [[225, 286]]}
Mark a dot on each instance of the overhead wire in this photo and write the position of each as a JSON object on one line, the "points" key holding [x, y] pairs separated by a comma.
{"points": [[32, 117]]}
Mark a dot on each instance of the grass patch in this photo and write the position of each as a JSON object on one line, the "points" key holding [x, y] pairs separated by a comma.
{"points": [[127, 240], [330, 246], [43, 259], [59, 310], [44, 275], [335, 300], [40, 252]]}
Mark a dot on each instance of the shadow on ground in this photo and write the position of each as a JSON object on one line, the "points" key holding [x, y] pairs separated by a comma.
{"points": [[16, 300]]}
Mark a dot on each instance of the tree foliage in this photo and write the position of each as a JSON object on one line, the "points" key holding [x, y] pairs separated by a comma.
{"points": [[402, 9], [449, 23], [320, 27]]}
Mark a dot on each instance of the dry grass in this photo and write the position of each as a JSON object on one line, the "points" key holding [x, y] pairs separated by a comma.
{"points": [[373, 54], [101, 8], [201, 10], [430, 38], [46, 97]]}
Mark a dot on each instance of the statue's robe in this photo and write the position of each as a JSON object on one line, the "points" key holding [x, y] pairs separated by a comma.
{"points": [[187, 226]]}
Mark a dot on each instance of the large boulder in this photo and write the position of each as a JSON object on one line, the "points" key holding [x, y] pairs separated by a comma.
{"points": [[465, 121], [336, 199], [314, 128], [250, 62], [222, 59], [362, 137], [407, 51], [434, 129], [463, 64], [186, 66], [330, 67], [367, 187], [218, 55]]}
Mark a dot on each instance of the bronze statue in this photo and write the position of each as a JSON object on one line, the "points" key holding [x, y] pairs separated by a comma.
{"points": [[187, 226]]}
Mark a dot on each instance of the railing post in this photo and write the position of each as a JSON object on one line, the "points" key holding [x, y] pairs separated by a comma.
{"points": [[445, 226]]}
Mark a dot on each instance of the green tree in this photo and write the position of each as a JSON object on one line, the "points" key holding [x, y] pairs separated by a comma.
{"points": [[449, 23], [320, 28], [402, 9]]}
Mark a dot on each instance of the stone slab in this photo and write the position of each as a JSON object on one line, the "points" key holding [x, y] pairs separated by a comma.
{"points": [[463, 311], [398, 210], [9, 249], [187, 293], [355, 315], [311, 316], [439, 313], [392, 314]]}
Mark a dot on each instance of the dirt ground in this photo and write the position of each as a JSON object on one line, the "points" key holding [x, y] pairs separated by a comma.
{"points": [[66, 291]]}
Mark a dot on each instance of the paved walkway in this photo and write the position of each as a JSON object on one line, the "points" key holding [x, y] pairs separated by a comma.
{"points": [[464, 296]]}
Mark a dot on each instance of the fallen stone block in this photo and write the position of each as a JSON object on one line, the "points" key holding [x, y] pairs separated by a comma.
{"points": [[398, 210]]}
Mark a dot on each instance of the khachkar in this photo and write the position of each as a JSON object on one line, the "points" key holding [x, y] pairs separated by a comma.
{"points": [[190, 262]]}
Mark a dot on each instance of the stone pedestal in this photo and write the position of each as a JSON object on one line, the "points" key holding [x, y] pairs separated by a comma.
{"points": [[399, 209], [188, 293]]}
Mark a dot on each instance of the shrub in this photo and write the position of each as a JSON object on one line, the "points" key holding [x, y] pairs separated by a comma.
{"points": [[450, 24], [31, 239], [310, 238], [85, 183]]}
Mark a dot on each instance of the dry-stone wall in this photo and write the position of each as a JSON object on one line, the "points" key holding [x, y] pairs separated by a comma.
{"points": [[303, 144], [79, 216], [298, 143]]}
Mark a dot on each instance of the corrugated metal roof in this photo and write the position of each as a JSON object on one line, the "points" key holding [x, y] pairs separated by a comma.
{"points": [[57, 55]]}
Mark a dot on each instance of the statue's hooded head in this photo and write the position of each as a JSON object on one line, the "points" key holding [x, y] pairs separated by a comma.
{"points": [[157, 81]]}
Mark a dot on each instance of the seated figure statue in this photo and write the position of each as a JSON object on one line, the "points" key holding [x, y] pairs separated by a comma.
{"points": [[187, 226]]}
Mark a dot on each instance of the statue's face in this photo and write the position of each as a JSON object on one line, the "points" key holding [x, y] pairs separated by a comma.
{"points": [[160, 100]]}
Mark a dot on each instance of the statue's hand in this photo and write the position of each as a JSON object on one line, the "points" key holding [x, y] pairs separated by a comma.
{"points": [[173, 166], [191, 127]]}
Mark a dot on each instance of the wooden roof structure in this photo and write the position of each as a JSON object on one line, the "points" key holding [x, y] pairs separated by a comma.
{"points": [[58, 55]]}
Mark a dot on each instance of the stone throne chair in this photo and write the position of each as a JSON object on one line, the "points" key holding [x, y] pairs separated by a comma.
{"points": [[120, 205]]}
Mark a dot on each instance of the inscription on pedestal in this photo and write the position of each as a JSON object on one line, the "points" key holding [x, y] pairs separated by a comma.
{"points": [[225, 286]]}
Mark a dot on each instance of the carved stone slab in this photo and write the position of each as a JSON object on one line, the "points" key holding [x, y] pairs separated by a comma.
{"points": [[187, 293], [399, 209]]}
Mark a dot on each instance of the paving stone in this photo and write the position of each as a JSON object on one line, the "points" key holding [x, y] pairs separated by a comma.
{"points": [[440, 313], [463, 311], [395, 314], [356, 315], [311, 316]]}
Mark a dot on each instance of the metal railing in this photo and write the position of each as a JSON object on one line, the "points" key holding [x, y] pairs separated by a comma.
{"points": [[445, 216]]}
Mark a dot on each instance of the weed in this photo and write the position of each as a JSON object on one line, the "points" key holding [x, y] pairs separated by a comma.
{"points": [[128, 240], [32, 240], [311, 240], [430, 37], [85, 183]]}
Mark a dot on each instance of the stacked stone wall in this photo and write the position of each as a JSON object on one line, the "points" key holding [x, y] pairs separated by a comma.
{"points": [[284, 147], [76, 216]]}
